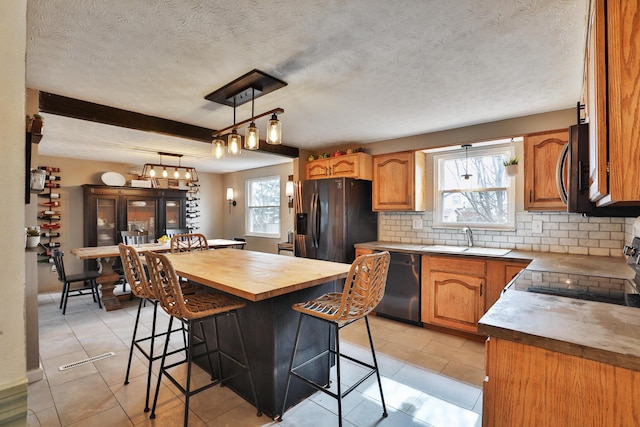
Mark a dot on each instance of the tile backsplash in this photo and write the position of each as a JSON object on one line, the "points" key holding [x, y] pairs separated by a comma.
{"points": [[561, 233]]}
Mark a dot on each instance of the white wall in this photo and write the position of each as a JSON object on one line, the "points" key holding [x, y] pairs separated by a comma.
{"points": [[234, 222], [12, 142]]}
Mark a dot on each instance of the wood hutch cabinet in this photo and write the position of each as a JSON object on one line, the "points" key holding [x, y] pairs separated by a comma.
{"points": [[541, 154], [108, 211]]}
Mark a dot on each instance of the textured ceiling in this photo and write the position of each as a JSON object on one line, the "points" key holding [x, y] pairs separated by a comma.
{"points": [[358, 71]]}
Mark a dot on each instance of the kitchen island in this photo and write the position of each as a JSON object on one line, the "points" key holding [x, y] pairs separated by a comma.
{"points": [[272, 284]]}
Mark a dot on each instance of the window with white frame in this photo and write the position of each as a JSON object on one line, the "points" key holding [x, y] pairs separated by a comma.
{"points": [[472, 189], [263, 207]]}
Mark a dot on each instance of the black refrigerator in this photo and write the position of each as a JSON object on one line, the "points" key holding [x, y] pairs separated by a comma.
{"points": [[336, 214]]}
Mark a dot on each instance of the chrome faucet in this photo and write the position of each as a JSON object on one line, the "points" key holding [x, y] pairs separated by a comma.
{"points": [[469, 234]]}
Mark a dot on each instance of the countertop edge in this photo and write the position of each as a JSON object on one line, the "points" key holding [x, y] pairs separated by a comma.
{"points": [[525, 318]]}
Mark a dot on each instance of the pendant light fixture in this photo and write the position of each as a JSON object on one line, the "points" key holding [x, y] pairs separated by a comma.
{"points": [[234, 141], [218, 147], [149, 171], [274, 131], [466, 174], [245, 88], [252, 135]]}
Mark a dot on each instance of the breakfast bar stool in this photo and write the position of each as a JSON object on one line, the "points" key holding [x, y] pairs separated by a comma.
{"points": [[363, 290], [193, 310], [136, 277]]}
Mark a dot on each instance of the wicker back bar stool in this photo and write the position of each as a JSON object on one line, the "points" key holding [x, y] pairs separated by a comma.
{"points": [[192, 310], [136, 276], [363, 290], [188, 243]]}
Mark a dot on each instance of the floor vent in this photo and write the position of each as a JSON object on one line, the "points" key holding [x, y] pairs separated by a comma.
{"points": [[85, 361]]}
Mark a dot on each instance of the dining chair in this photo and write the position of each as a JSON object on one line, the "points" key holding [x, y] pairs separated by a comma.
{"points": [[136, 276], [134, 237], [170, 232], [189, 243], [240, 245], [193, 311], [363, 290], [88, 279]]}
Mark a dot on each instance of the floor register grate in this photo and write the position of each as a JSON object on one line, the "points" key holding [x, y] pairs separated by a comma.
{"points": [[85, 361]]}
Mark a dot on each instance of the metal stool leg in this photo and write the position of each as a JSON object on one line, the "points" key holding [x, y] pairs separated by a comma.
{"points": [[133, 343], [164, 357], [375, 363], [339, 385]]}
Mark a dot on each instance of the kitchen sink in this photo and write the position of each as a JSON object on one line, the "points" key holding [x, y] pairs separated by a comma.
{"points": [[444, 248], [473, 250], [487, 251]]}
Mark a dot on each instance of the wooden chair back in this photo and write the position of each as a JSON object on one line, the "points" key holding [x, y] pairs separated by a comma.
{"points": [[363, 291]]}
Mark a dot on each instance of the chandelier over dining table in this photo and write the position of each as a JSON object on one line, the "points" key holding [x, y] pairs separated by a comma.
{"points": [[164, 171], [244, 89]]}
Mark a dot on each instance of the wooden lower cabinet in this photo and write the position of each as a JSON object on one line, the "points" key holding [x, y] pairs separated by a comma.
{"points": [[532, 386], [457, 291]]}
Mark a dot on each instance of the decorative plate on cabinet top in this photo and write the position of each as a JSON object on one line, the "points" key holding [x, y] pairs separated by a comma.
{"points": [[113, 179]]}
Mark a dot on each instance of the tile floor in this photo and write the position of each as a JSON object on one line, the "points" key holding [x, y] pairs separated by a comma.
{"points": [[429, 378]]}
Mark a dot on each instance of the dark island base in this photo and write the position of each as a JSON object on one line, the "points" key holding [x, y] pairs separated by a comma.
{"points": [[269, 329]]}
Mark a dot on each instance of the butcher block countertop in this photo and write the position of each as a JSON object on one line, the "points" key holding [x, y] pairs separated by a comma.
{"points": [[598, 331], [255, 276]]}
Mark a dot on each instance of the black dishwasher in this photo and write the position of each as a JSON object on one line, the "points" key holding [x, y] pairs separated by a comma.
{"points": [[401, 299]]}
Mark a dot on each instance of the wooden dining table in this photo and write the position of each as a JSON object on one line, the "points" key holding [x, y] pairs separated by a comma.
{"points": [[105, 256], [271, 284]]}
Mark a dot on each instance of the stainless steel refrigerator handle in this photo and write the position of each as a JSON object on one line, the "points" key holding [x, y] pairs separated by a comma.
{"points": [[560, 182], [313, 220], [317, 223]]}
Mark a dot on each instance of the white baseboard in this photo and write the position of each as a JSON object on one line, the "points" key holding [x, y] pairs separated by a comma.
{"points": [[13, 403]]}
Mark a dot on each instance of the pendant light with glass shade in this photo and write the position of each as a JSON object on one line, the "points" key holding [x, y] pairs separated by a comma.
{"points": [[252, 135], [274, 131], [218, 148], [234, 141]]}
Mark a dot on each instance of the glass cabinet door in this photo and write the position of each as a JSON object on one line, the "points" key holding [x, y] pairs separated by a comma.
{"points": [[173, 209], [106, 218], [141, 217]]}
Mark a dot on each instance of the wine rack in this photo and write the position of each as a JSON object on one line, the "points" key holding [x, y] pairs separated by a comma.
{"points": [[49, 214], [193, 206]]}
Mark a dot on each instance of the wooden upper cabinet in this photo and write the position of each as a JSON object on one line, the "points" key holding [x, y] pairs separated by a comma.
{"points": [[542, 151], [357, 165], [613, 101], [399, 181]]}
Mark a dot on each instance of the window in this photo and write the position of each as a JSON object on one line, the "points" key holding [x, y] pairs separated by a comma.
{"points": [[263, 207], [486, 199]]}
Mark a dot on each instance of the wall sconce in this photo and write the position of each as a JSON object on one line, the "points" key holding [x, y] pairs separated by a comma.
{"points": [[288, 189], [230, 198]]}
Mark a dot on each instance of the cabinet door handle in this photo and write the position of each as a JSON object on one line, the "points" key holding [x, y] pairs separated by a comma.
{"points": [[530, 196], [480, 289]]}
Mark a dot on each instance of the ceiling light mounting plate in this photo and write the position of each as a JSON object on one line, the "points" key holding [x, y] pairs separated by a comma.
{"points": [[255, 79]]}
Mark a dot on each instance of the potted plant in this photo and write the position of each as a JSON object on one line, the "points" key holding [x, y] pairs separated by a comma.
{"points": [[511, 166], [33, 237]]}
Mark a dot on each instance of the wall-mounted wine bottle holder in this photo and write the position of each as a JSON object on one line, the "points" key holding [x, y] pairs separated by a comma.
{"points": [[49, 214]]}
